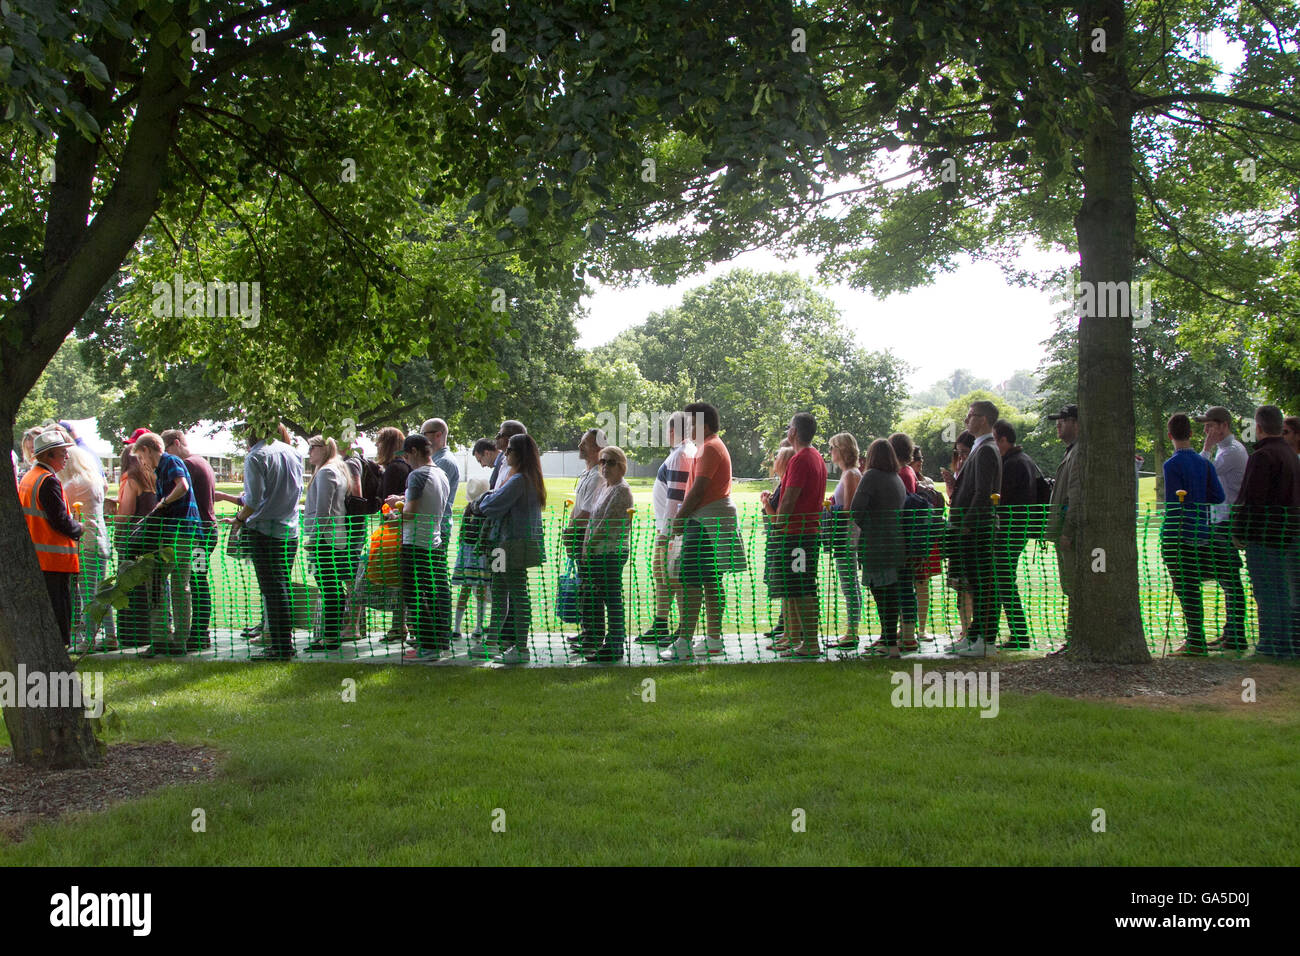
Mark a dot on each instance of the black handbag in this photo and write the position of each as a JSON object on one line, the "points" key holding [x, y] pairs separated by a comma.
{"points": [[146, 535]]}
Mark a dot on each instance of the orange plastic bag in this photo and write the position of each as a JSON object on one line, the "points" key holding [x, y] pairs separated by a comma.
{"points": [[384, 568]]}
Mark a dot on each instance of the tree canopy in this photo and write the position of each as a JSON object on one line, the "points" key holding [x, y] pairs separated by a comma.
{"points": [[762, 346]]}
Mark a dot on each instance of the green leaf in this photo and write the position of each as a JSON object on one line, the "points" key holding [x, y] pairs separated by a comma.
{"points": [[168, 33], [519, 216]]}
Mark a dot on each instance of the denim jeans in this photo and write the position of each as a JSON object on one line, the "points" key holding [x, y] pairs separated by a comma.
{"points": [[846, 564], [512, 608], [1186, 560], [1225, 564], [1274, 574], [605, 580]]}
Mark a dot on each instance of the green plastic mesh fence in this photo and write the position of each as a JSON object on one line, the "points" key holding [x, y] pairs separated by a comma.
{"points": [[745, 589]]}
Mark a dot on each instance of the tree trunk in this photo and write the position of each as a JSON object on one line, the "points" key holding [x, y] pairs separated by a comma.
{"points": [[51, 737], [79, 260], [1105, 614], [1160, 449]]}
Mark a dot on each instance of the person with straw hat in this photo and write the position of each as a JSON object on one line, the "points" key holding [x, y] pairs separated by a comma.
{"points": [[53, 530]]}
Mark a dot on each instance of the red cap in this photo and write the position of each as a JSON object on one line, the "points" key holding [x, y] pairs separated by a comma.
{"points": [[136, 434]]}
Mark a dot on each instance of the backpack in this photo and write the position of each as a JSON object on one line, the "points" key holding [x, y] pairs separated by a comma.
{"points": [[922, 525], [368, 503], [1036, 525]]}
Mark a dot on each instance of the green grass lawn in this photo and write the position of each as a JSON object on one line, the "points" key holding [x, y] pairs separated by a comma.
{"points": [[710, 773]]}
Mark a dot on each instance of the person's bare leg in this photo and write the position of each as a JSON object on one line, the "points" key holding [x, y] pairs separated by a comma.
{"points": [[922, 585], [809, 619], [965, 610], [713, 608], [793, 635], [690, 612], [663, 587]]}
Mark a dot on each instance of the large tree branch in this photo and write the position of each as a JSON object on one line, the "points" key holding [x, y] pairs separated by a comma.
{"points": [[224, 64], [51, 306], [1174, 99]]}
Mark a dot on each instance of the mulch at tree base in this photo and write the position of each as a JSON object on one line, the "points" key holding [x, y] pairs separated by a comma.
{"points": [[29, 796], [1153, 682]]}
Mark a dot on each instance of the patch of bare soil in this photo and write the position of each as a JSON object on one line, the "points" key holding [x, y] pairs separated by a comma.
{"points": [[1162, 682], [28, 796]]}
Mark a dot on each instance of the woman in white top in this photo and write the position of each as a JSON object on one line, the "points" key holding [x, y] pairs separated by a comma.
{"points": [[324, 522], [844, 533], [84, 486]]}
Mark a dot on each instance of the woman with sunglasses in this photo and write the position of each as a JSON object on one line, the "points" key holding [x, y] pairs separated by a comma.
{"points": [[604, 553]]}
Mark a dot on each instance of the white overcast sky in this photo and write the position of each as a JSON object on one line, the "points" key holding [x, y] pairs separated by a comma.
{"points": [[969, 318]]}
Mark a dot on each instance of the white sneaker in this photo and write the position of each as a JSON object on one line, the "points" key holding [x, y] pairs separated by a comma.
{"points": [[978, 648], [707, 646], [959, 647], [678, 650], [512, 655]]}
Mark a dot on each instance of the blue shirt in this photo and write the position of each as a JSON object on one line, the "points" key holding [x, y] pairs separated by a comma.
{"points": [[272, 487], [447, 465], [514, 510], [169, 470], [1188, 471]]}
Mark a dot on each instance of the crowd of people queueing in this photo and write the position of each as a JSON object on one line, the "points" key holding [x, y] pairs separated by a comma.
{"points": [[1219, 501]]}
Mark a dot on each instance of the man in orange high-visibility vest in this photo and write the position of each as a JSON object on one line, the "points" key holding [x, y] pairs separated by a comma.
{"points": [[54, 531]]}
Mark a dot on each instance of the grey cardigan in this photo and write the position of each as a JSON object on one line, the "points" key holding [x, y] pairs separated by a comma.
{"points": [[876, 507], [608, 529]]}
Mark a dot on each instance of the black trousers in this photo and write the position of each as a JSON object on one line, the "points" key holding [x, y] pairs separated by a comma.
{"points": [[58, 584], [427, 595], [512, 608], [978, 565], [603, 575], [1006, 558], [442, 602], [334, 569], [272, 559], [205, 543], [889, 606]]}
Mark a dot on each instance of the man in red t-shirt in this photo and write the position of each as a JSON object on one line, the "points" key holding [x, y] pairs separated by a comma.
{"points": [[803, 490], [710, 481]]}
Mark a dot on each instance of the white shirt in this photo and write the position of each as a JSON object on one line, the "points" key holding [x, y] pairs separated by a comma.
{"points": [[670, 485], [587, 491], [1230, 458]]}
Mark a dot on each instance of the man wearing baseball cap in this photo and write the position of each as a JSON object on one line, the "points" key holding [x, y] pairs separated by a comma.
{"points": [[1065, 510], [1229, 457], [54, 531]]}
